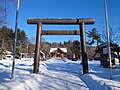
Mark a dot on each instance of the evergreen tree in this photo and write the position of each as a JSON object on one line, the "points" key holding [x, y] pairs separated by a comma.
{"points": [[6, 38], [22, 42], [95, 37]]}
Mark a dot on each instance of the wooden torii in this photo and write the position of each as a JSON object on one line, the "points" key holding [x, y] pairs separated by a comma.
{"points": [[61, 21]]}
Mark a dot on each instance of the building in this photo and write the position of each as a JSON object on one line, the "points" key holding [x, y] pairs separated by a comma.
{"points": [[42, 55], [7, 55], [103, 49], [58, 52]]}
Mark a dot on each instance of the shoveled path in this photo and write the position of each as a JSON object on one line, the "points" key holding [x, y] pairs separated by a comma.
{"points": [[61, 74]]}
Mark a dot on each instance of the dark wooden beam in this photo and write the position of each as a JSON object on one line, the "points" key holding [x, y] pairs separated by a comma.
{"points": [[60, 32], [61, 20], [83, 48], [37, 48]]}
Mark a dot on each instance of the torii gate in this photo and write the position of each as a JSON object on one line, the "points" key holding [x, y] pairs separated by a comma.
{"points": [[61, 21]]}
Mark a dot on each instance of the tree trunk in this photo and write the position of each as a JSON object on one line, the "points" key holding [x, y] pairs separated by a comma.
{"points": [[118, 57], [96, 50]]}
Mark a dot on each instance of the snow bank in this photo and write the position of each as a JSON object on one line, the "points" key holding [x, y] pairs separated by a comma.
{"points": [[99, 77], [23, 80]]}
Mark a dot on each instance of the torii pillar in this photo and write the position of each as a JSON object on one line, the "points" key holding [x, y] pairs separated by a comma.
{"points": [[83, 48]]}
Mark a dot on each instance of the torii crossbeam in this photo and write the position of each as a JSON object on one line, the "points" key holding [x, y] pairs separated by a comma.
{"points": [[61, 21]]}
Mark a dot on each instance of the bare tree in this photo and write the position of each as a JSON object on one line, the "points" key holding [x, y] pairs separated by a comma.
{"points": [[114, 34], [32, 39], [3, 10]]}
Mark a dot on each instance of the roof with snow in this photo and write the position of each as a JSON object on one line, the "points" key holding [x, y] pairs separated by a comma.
{"points": [[102, 45], [7, 52], [40, 52], [54, 49]]}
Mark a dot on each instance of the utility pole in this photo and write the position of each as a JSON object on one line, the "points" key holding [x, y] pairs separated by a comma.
{"points": [[15, 39], [108, 37]]}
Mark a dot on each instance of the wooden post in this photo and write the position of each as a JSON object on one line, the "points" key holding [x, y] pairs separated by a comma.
{"points": [[83, 48], [37, 48]]}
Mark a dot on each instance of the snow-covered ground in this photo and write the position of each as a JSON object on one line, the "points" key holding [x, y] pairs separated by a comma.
{"points": [[57, 74]]}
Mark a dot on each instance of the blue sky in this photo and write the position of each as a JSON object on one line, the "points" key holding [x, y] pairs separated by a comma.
{"points": [[63, 9]]}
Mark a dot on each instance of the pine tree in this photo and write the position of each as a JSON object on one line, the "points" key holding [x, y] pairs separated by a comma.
{"points": [[6, 38], [95, 38], [22, 42]]}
